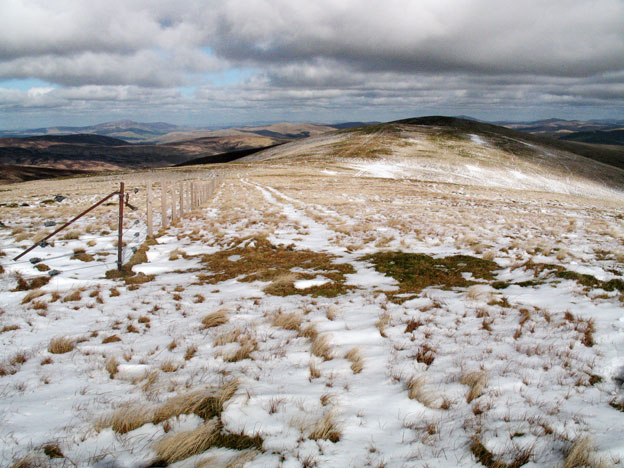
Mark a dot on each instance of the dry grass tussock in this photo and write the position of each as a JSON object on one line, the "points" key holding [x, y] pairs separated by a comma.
{"points": [[476, 380], [188, 443], [322, 347], [126, 418], [61, 345], [583, 454], [357, 361], [112, 366], [185, 444], [287, 321], [417, 390], [247, 345], [204, 403], [479, 292], [215, 319], [326, 428]]}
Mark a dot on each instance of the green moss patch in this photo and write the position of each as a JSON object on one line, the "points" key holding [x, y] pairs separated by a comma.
{"points": [[415, 272]]}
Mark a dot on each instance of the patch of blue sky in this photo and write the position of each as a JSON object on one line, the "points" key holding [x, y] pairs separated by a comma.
{"points": [[230, 77], [24, 84]]}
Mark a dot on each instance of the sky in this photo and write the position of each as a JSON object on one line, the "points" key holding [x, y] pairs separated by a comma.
{"points": [[220, 62]]}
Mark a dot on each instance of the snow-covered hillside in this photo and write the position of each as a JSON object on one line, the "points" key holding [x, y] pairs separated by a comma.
{"points": [[353, 304]]}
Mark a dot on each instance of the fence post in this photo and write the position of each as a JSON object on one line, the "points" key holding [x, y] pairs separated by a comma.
{"points": [[150, 220], [120, 233], [181, 198], [163, 203], [174, 211]]}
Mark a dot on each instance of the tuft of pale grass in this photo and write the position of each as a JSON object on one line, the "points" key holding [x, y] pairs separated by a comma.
{"points": [[479, 292], [418, 391], [61, 345], [169, 365], [382, 324], [127, 418], [190, 352], [309, 332], [357, 361], [247, 346], [34, 294], [489, 255], [204, 403], [315, 372], [215, 319], [326, 428], [583, 454], [476, 380], [239, 460], [112, 366], [322, 347], [332, 312], [185, 444], [287, 321]]}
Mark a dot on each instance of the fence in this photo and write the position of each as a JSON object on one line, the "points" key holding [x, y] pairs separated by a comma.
{"points": [[175, 195]]}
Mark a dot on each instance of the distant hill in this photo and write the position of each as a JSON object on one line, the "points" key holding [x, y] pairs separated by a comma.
{"points": [[601, 137], [561, 129], [612, 155], [128, 130], [9, 173], [80, 138]]}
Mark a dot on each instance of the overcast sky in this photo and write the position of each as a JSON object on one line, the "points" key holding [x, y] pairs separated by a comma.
{"points": [[205, 62]]}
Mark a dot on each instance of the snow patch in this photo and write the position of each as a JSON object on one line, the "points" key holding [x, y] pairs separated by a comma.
{"points": [[305, 284]]}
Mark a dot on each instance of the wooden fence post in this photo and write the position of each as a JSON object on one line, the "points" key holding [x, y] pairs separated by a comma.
{"points": [[181, 198], [120, 231], [163, 203], [150, 220], [174, 211]]}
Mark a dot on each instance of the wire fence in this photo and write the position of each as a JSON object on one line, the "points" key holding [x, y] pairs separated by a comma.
{"points": [[175, 198]]}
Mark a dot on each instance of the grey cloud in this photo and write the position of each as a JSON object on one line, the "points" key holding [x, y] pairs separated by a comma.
{"points": [[567, 38], [327, 57]]}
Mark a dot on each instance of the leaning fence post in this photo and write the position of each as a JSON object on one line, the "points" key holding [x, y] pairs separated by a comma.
{"points": [[163, 203], [150, 220]]}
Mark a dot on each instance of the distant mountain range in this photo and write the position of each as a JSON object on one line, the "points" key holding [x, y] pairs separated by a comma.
{"points": [[125, 144], [128, 130], [605, 132]]}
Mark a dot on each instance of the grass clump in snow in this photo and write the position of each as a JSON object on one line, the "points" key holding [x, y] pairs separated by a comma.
{"points": [[259, 260], [126, 418], [477, 381], [61, 345], [357, 361], [326, 428], [185, 444], [582, 454], [287, 321], [415, 272], [206, 403], [322, 347], [215, 319], [33, 283], [487, 458]]}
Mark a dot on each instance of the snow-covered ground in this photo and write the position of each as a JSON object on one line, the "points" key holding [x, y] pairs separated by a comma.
{"points": [[522, 368]]}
